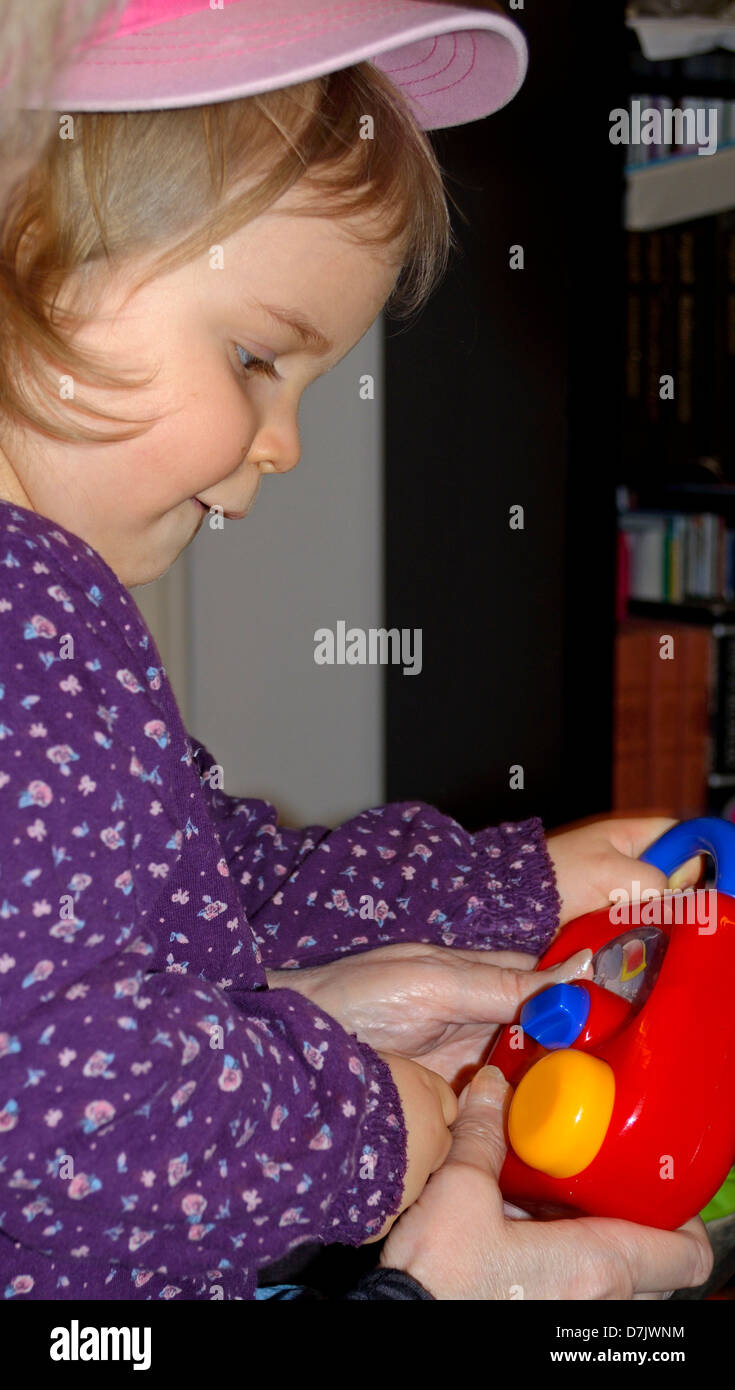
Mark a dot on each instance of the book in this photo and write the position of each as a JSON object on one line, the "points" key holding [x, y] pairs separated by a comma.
{"points": [[722, 701], [680, 324], [675, 557], [667, 651], [724, 364], [674, 716], [631, 707], [695, 649]]}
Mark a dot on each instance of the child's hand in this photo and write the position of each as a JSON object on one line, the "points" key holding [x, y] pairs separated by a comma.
{"points": [[594, 858], [429, 1107]]}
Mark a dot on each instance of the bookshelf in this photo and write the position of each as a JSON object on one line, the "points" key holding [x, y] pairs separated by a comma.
{"points": [[681, 189], [674, 702], [507, 390], [680, 36]]}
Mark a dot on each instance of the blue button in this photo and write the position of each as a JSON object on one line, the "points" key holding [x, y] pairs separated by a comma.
{"points": [[556, 1016]]}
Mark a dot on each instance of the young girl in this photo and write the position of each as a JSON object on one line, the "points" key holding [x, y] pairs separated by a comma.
{"points": [[175, 1114]]}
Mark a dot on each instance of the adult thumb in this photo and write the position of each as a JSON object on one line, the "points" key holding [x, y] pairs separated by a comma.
{"points": [[478, 1135]]}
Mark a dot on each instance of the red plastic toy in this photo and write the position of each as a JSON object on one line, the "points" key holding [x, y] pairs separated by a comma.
{"points": [[624, 1085]]}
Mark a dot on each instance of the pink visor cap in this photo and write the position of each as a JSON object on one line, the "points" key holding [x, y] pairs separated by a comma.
{"points": [[452, 63]]}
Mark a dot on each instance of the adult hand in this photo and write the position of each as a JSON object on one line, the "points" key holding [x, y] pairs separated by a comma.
{"points": [[434, 1004], [593, 859], [459, 1242]]}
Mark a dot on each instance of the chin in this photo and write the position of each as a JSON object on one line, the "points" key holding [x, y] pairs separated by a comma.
{"points": [[145, 572], [147, 575]]}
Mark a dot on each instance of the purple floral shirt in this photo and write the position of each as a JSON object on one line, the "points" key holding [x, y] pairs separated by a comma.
{"points": [[168, 1124]]}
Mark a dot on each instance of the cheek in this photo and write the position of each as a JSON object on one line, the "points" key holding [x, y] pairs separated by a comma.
{"points": [[216, 418], [204, 438]]}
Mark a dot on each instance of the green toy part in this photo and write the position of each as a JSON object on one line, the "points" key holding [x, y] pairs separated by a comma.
{"points": [[723, 1202]]}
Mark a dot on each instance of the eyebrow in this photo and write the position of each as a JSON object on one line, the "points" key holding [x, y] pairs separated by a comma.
{"points": [[300, 325]]}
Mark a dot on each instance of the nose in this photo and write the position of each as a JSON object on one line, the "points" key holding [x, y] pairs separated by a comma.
{"points": [[279, 462], [276, 448]]}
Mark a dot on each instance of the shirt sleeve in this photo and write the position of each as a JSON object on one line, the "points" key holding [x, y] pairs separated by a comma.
{"points": [[399, 872], [151, 1122]]}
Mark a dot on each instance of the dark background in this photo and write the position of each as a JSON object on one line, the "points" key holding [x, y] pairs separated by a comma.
{"points": [[507, 390]]}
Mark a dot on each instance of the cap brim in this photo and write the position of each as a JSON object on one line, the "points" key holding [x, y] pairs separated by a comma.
{"points": [[453, 64]]}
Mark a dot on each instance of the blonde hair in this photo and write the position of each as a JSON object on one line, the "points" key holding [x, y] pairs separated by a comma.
{"points": [[36, 41], [166, 185]]}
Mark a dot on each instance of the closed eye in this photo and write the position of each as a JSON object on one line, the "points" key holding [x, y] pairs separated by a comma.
{"points": [[250, 364]]}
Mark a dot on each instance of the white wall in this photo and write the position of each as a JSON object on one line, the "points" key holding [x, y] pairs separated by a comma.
{"points": [[308, 738], [165, 607]]}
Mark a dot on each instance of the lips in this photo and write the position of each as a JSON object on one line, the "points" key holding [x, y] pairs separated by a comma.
{"points": [[231, 516]]}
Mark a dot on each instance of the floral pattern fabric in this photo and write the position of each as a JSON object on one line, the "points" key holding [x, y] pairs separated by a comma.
{"points": [[169, 1125]]}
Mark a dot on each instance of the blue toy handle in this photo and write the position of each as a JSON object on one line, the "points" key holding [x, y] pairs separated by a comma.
{"points": [[703, 835]]}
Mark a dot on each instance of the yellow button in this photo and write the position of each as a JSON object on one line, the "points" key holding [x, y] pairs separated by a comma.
{"points": [[560, 1112]]}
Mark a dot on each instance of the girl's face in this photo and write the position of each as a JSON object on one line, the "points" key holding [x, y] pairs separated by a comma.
{"points": [[221, 420]]}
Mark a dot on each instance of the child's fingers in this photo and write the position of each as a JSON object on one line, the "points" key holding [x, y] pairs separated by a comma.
{"points": [[446, 1096], [632, 836], [688, 874], [429, 1107]]}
